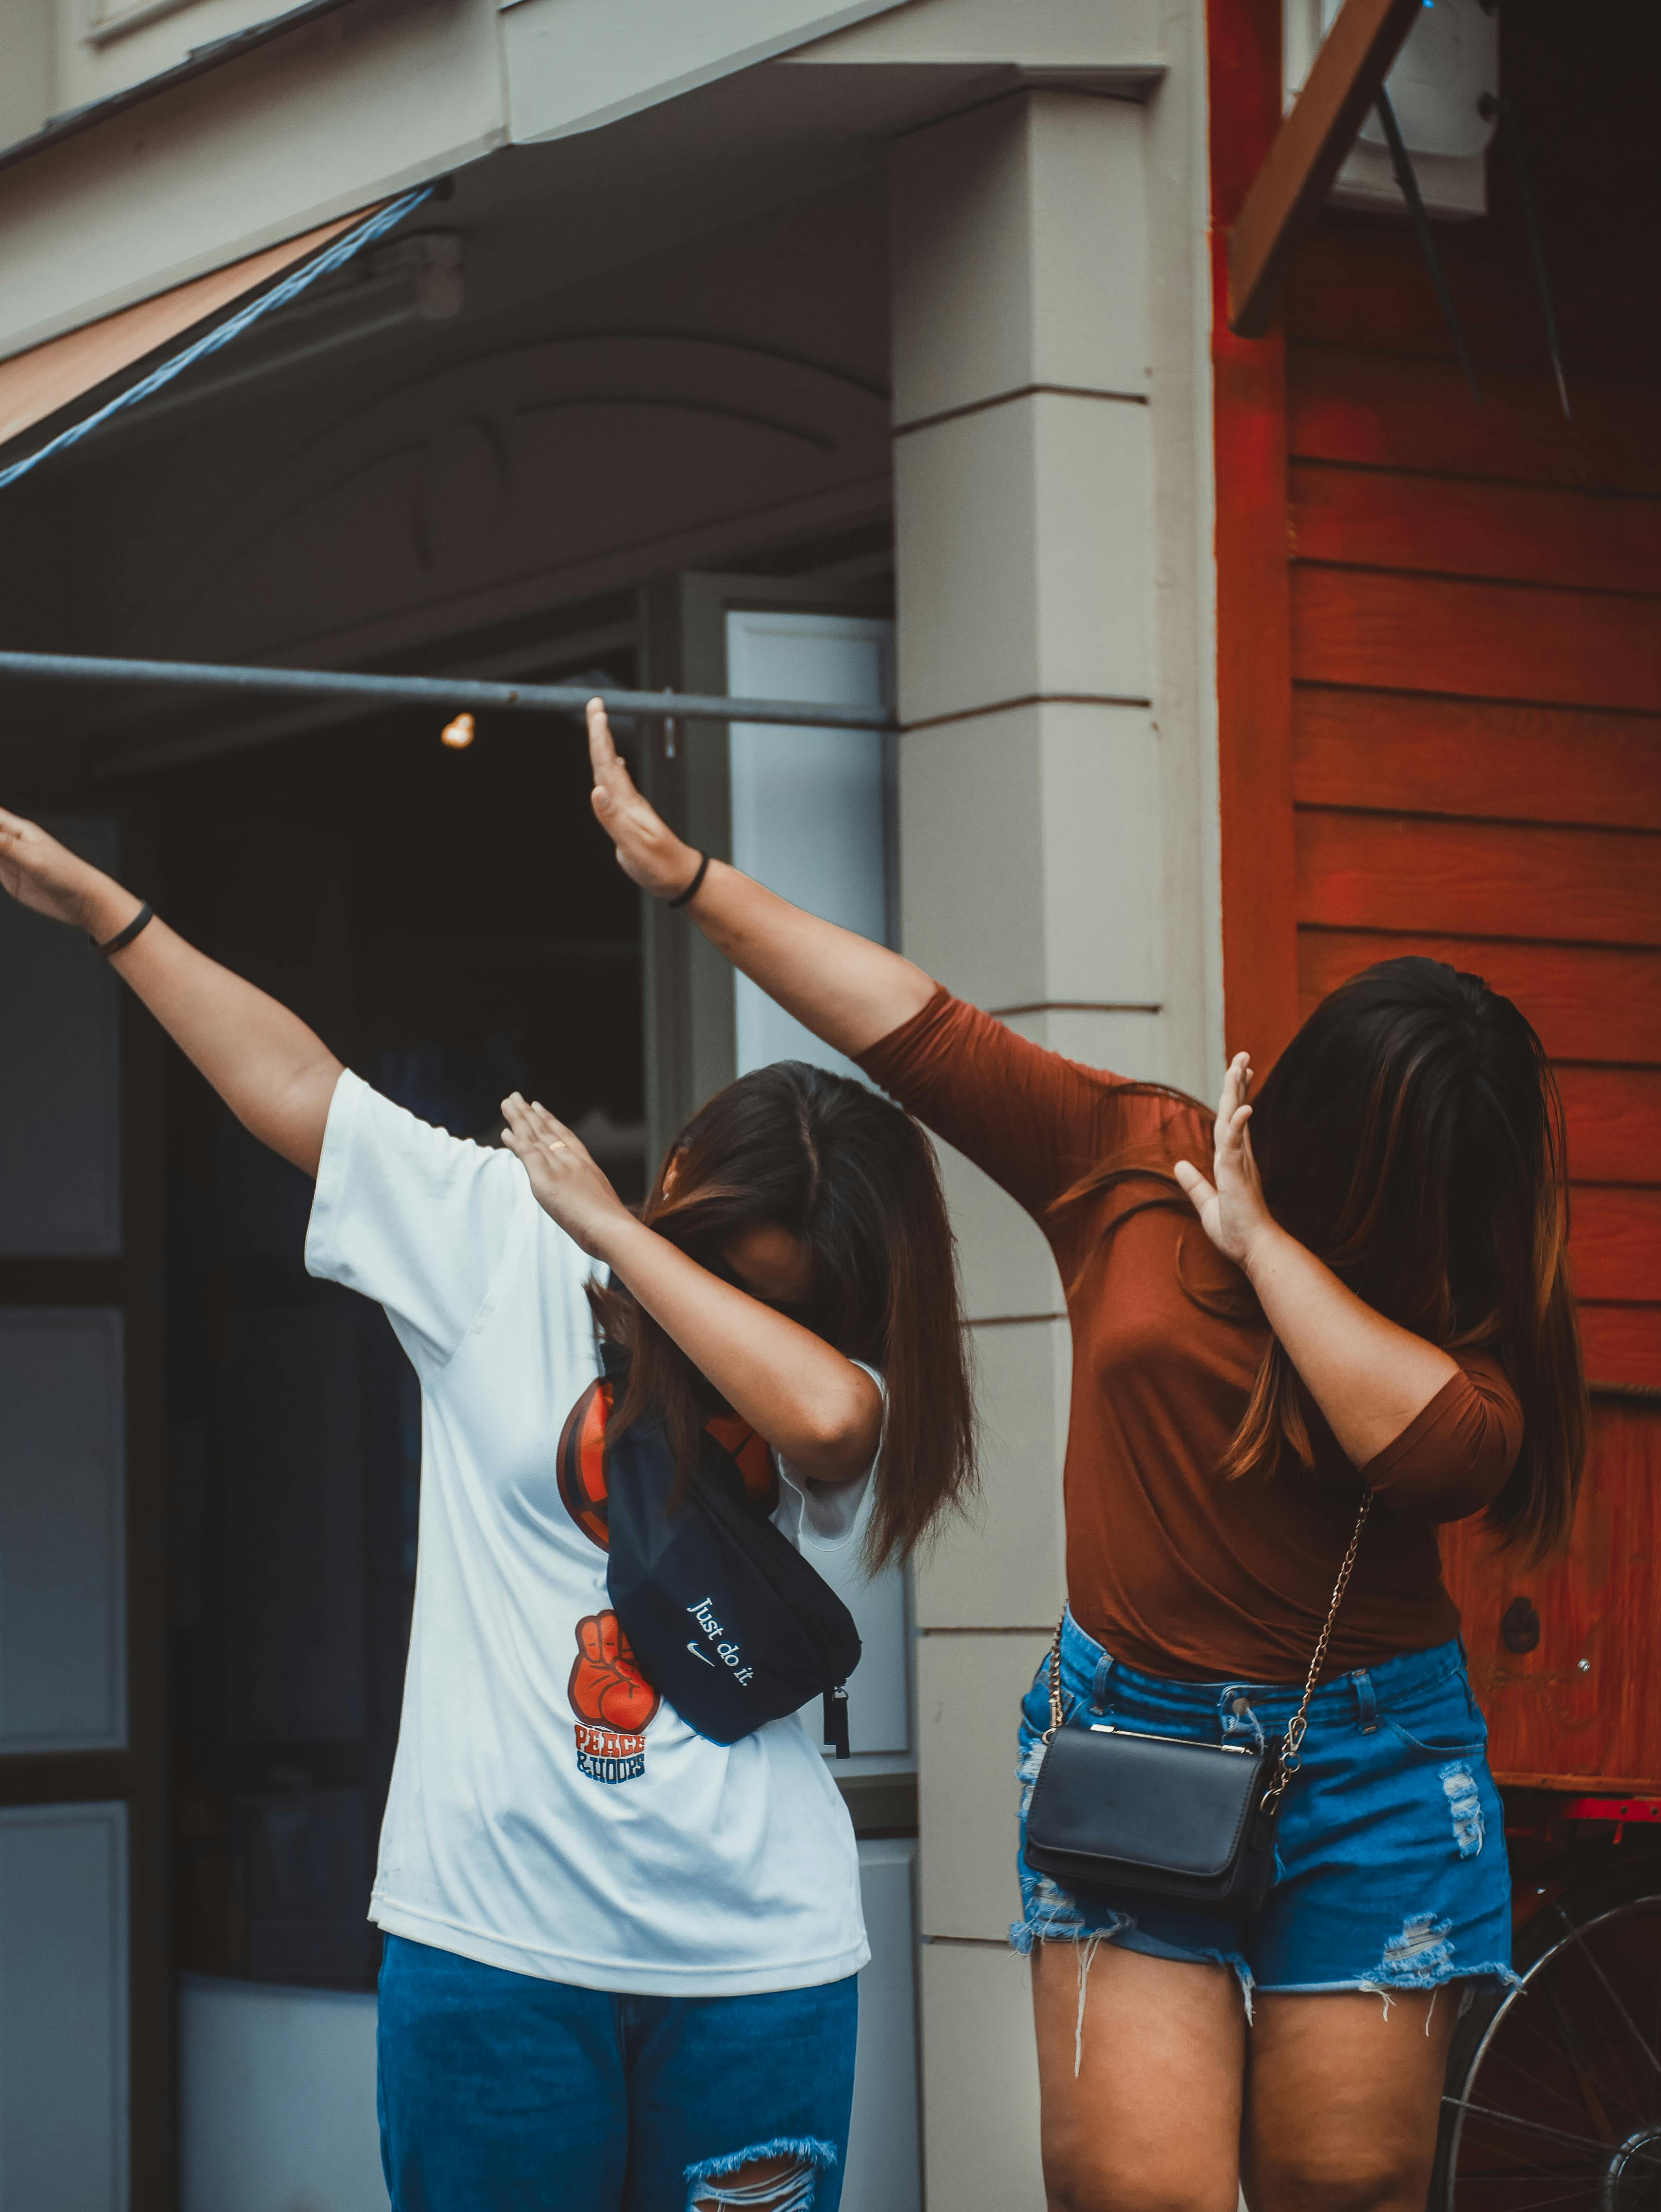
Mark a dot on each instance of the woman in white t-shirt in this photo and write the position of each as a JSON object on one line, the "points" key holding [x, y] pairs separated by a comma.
{"points": [[620, 1962]]}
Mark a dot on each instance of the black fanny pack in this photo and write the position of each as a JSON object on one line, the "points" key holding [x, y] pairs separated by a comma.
{"points": [[724, 1617], [1156, 1816]]}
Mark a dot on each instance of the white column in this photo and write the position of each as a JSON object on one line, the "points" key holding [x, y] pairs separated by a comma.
{"points": [[1032, 868]]}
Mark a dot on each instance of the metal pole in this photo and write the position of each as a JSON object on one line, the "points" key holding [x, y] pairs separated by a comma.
{"points": [[1510, 124], [445, 693], [1409, 181]]}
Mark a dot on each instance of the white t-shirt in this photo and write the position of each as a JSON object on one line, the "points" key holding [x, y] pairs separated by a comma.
{"points": [[518, 1832]]}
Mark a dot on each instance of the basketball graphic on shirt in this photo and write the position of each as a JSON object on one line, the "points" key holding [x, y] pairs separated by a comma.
{"points": [[580, 1462], [614, 1702]]}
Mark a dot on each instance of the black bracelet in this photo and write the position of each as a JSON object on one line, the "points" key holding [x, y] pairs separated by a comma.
{"points": [[123, 937], [695, 886]]}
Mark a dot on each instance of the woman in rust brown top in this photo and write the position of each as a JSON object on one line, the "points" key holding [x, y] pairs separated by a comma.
{"points": [[1354, 1284]]}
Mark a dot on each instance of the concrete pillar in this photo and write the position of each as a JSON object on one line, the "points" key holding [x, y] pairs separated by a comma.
{"points": [[1033, 881]]}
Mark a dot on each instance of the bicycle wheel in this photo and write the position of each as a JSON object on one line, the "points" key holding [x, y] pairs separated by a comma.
{"points": [[1554, 2091]]}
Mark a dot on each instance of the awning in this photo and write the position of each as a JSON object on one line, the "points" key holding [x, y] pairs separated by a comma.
{"points": [[36, 384]]}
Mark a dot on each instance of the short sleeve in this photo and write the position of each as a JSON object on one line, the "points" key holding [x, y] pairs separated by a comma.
{"points": [[414, 1219], [831, 1516], [1453, 1457], [1036, 1122]]}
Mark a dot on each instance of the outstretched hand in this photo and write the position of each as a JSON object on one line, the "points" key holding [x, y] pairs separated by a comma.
{"points": [[647, 850], [567, 1183], [1231, 1208], [40, 873]]}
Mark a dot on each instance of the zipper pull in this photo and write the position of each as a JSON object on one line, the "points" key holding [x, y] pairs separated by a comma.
{"points": [[836, 1720]]}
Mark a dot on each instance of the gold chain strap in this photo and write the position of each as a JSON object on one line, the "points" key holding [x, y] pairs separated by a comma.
{"points": [[1289, 1760], [1054, 1682]]}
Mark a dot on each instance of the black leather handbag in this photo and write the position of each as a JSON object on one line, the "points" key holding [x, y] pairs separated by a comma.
{"points": [[1159, 1817]]}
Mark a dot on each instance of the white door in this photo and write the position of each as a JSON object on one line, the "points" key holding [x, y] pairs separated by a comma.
{"points": [[811, 819]]}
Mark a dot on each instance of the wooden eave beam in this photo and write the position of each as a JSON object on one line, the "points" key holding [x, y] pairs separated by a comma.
{"points": [[1289, 190]]}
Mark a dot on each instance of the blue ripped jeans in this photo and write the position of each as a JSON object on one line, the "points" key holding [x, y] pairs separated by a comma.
{"points": [[1390, 1870], [502, 2092]]}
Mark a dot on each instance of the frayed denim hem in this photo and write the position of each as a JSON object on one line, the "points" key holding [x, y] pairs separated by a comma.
{"points": [[1053, 1917], [1373, 1985], [820, 2155], [1387, 1987]]}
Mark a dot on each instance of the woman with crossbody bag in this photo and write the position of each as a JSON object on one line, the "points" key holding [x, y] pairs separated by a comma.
{"points": [[1262, 1855], [622, 1914]]}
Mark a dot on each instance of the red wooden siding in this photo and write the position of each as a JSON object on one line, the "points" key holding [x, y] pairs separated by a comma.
{"points": [[1476, 626], [1487, 760], [1438, 526], [1485, 641], [1472, 715], [1550, 1714]]}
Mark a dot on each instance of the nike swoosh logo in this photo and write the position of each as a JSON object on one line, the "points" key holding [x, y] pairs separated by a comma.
{"points": [[696, 1654]]}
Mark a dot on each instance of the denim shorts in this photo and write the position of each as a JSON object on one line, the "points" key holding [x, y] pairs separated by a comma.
{"points": [[502, 2092], [1390, 1871]]}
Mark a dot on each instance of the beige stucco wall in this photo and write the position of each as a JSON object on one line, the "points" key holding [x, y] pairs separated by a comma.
{"points": [[1051, 412]]}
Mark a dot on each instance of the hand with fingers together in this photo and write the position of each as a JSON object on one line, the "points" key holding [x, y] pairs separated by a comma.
{"points": [[40, 873], [647, 850], [606, 1689], [1232, 1210], [567, 1184]]}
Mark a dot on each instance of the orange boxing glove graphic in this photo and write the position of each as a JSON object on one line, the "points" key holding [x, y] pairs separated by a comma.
{"points": [[606, 1689]]}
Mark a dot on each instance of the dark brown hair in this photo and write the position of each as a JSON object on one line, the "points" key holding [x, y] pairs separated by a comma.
{"points": [[854, 1178], [1411, 1135]]}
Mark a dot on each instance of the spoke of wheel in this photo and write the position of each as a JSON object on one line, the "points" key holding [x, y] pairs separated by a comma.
{"points": [[1566, 2062], [1527, 2127], [1575, 2196], [1527, 2031], [1534, 2172], [1524, 2031], [1632, 2026], [1533, 2182], [1574, 2050]]}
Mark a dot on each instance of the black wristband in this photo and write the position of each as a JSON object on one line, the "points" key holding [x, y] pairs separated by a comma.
{"points": [[123, 937], [692, 889]]}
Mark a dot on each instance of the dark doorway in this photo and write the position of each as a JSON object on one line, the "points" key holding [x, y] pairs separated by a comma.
{"points": [[452, 923]]}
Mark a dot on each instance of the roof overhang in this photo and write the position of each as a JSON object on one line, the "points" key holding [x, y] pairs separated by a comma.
{"points": [[197, 63]]}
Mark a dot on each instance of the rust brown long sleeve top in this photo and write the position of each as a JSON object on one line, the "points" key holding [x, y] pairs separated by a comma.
{"points": [[1171, 1565]]}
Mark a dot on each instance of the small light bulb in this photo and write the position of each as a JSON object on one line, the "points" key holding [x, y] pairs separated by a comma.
{"points": [[458, 734]]}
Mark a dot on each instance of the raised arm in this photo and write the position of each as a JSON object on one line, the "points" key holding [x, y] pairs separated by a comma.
{"points": [[1370, 1377], [844, 987], [807, 1399], [273, 1072]]}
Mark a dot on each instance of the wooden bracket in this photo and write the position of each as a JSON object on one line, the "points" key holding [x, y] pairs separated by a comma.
{"points": [[1288, 193]]}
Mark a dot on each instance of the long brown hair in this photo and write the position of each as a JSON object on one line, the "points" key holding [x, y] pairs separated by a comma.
{"points": [[1411, 1135], [854, 1179]]}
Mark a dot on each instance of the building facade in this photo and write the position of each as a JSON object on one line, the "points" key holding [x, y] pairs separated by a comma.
{"points": [[870, 353]]}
